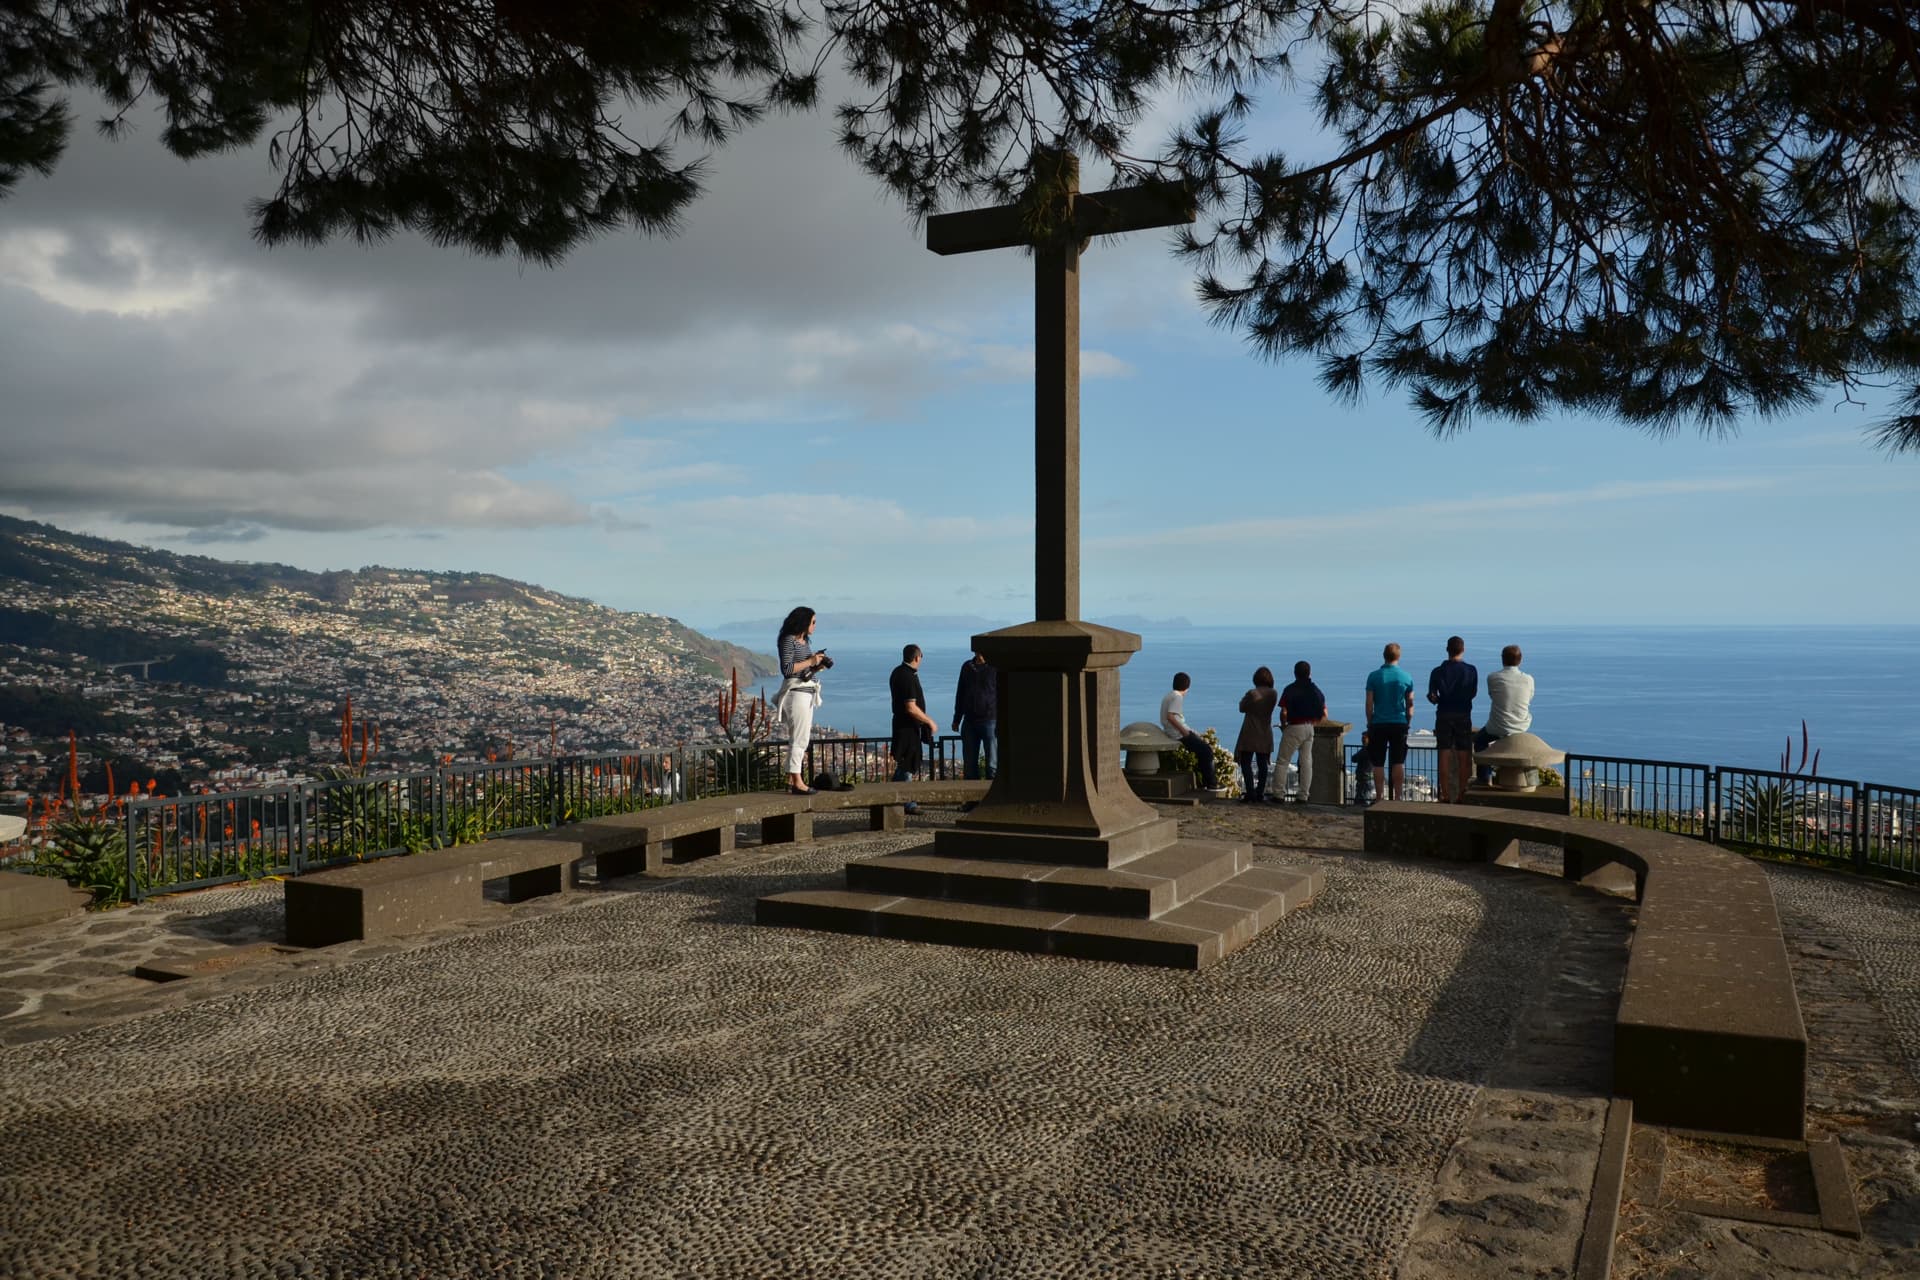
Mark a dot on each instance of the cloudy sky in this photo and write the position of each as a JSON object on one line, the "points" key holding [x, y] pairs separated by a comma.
{"points": [[793, 400]]}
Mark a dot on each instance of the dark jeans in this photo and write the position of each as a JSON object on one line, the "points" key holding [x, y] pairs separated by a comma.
{"points": [[1481, 741], [976, 740], [1253, 772], [1204, 754]]}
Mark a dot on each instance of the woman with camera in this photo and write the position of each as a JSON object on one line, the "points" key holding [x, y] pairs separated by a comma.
{"points": [[799, 691]]}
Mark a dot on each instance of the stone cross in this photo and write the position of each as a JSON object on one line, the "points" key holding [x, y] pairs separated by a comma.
{"points": [[1056, 356]]}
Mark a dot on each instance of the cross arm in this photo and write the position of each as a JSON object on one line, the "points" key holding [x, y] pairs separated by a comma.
{"points": [[1095, 213]]}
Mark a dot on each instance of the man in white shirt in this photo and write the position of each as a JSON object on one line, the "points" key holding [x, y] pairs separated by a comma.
{"points": [[1173, 718], [1512, 692]]}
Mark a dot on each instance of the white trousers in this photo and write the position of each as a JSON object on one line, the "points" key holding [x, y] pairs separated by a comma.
{"points": [[1296, 737], [796, 712]]}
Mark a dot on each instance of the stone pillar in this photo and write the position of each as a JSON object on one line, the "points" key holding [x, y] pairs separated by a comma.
{"points": [[1059, 768], [1329, 762]]}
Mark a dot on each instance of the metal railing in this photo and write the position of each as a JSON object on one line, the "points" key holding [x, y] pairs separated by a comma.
{"points": [[871, 759], [1661, 795], [1869, 825], [192, 841], [173, 843], [187, 842], [1422, 775], [1886, 829]]}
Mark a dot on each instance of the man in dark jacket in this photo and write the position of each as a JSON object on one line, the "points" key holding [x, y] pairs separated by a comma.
{"points": [[911, 723], [974, 714], [1302, 706]]}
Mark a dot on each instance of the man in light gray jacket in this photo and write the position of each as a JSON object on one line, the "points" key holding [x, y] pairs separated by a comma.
{"points": [[1512, 692]]}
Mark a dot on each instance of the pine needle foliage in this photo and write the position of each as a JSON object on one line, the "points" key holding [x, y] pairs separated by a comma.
{"points": [[1678, 213]]}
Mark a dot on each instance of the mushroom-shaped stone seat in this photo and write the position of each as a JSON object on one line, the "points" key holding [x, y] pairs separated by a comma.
{"points": [[1514, 759], [1144, 741]]}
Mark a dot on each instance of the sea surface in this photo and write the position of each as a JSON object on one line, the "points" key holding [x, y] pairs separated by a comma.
{"points": [[1709, 695]]}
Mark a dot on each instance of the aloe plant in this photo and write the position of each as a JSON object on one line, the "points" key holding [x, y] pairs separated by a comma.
{"points": [[1763, 810]]}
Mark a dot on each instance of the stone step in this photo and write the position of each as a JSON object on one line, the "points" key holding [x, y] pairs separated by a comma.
{"points": [[987, 841], [1143, 887], [1194, 935]]}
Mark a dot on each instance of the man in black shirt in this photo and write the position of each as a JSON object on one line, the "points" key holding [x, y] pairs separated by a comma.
{"points": [[911, 723], [974, 714], [1302, 706], [1452, 687]]}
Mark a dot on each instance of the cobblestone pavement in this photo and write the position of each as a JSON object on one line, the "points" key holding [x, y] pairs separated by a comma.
{"points": [[1407, 1077]]}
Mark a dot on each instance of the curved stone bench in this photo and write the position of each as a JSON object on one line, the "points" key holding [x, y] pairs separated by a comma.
{"points": [[1708, 1034]]}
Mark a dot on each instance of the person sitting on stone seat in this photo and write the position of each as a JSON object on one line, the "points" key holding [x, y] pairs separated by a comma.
{"points": [[1511, 690], [1173, 719]]}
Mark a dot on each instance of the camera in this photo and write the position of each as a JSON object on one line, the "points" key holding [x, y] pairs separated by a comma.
{"points": [[826, 663]]}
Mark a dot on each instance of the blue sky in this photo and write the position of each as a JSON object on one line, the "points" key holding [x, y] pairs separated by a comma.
{"points": [[795, 401]]}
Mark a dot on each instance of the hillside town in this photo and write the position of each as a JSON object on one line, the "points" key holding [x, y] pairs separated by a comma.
{"points": [[444, 665]]}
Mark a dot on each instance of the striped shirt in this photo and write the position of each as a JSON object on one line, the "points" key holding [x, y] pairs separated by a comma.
{"points": [[793, 652]]}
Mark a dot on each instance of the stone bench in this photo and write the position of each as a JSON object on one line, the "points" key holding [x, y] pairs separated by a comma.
{"points": [[395, 897], [886, 802], [1708, 1034], [627, 843], [27, 899]]}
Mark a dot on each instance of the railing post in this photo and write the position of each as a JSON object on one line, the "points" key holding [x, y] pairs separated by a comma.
{"points": [[1714, 790], [133, 855], [1861, 826], [689, 788], [296, 828], [437, 803], [556, 792]]}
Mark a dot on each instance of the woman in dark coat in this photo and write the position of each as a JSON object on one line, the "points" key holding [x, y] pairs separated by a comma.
{"points": [[1254, 748]]}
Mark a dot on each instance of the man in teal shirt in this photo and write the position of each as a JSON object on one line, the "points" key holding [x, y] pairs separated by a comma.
{"points": [[1389, 712]]}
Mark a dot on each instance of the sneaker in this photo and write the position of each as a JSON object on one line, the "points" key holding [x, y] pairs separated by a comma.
{"points": [[911, 807]]}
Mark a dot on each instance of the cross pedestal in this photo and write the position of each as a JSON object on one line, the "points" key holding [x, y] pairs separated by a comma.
{"points": [[1059, 787], [1061, 856]]}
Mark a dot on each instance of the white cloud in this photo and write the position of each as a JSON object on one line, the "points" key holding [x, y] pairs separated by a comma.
{"points": [[1412, 519], [118, 272]]}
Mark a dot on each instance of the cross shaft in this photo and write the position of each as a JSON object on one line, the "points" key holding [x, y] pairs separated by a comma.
{"points": [[1056, 356]]}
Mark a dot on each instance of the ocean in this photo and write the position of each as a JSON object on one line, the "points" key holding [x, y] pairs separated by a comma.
{"points": [[1709, 695]]}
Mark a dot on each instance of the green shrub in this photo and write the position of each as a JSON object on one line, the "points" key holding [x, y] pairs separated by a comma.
{"points": [[90, 855], [1182, 760]]}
